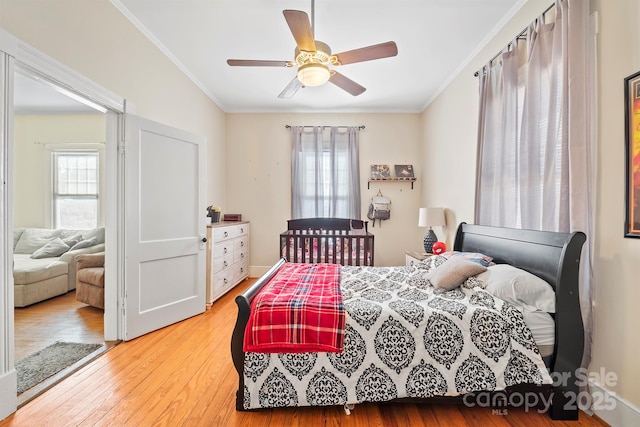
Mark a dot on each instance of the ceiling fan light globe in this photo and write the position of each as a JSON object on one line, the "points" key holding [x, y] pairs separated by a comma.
{"points": [[313, 74]]}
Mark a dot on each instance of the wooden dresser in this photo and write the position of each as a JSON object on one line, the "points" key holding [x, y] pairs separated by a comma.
{"points": [[227, 257]]}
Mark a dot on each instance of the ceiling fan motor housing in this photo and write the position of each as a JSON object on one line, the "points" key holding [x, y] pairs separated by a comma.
{"points": [[322, 55]]}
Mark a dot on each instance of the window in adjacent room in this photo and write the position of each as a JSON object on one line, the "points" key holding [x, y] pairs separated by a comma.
{"points": [[75, 197], [325, 174]]}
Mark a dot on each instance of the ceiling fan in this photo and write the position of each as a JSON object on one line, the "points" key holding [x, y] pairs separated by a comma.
{"points": [[313, 58]]}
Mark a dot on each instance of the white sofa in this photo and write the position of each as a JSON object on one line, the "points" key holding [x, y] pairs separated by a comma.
{"points": [[44, 264]]}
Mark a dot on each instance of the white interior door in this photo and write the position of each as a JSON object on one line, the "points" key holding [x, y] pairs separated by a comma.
{"points": [[164, 226]]}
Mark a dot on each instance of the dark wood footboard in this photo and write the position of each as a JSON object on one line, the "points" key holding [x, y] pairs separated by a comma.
{"points": [[237, 339]]}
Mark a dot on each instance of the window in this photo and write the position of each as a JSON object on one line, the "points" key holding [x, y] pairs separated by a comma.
{"points": [[325, 173], [75, 189]]}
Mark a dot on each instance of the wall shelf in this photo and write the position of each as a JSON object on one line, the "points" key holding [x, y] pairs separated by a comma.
{"points": [[411, 180]]}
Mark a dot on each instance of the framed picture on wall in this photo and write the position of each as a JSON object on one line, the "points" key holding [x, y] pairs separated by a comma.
{"points": [[380, 172], [632, 155], [404, 171]]}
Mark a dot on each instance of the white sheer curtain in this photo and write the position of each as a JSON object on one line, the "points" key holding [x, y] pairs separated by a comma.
{"points": [[536, 138], [325, 172]]}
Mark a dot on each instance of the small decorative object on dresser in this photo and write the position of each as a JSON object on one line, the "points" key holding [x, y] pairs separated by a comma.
{"points": [[227, 257], [430, 217], [232, 217]]}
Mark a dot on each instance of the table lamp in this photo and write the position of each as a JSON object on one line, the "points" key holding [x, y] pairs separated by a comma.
{"points": [[430, 217]]}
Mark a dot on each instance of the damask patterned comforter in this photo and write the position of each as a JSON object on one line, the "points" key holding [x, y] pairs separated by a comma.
{"points": [[403, 340]]}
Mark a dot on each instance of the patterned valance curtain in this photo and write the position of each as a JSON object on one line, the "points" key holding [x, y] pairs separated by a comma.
{"points": [[325, 172]]}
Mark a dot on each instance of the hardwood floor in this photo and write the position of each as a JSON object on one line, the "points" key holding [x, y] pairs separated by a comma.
{"points": [[57, 319], [182, 375]]}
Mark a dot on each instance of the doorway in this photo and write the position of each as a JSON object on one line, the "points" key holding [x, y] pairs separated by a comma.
{"points": [[51, 128], [142, 225]]}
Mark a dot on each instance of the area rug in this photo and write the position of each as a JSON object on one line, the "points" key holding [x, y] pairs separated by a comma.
{"points": [[42, 364]]}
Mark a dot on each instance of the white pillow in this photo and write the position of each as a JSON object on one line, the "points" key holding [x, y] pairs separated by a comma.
{"points": [[34, 238], [519, 287], [83, 244], [54, 248]]}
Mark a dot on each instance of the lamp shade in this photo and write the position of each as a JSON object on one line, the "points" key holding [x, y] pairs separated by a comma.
{"points": [[431, 217], [313, 74]]}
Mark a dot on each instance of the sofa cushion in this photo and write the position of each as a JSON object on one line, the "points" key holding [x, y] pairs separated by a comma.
{"points": [[92, 275], [27, 270], [54, 248], [17, 232], [84, 244], [28, 240], [33, 239], [96, 233]]}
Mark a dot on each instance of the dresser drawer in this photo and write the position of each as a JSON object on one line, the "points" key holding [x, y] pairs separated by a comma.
{"points": [[241, 244], [223, 248], [222, 233], [222, 282], [222, 263], [230, 232], [240, 271]]}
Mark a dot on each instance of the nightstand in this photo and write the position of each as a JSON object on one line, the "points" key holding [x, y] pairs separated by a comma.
{"points": [[412, 258]]}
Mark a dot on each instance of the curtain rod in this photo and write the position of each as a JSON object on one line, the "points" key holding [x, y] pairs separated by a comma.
{"points": [[522, 33], [324, 127]]}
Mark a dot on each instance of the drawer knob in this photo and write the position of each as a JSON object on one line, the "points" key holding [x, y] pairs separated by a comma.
{"points": [[225, 281], [226, 234], [241, 230], [241, 255], [241, 243], [225, 250], [225, 264]]}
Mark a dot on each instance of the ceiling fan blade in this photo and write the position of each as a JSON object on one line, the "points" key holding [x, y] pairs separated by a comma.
{"points": [[301, 29], [291, 88], [376, 51], [258, 63], [346, 83]]}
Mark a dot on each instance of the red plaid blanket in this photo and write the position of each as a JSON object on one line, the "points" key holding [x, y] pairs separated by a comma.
{"points": [[299, 310]]}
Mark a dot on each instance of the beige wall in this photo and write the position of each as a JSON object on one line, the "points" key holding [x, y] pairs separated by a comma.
{"points": [[258, 150], [32, 135], [617, 265], [449, 130], [94, 39]]}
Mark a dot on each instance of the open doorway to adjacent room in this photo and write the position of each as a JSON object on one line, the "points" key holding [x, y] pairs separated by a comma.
{"points": [[58, 211]]}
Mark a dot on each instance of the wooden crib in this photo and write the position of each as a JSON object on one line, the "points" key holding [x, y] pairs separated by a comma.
{"points": [[327, 240]]}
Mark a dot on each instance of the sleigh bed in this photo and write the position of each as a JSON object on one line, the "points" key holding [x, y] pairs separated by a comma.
{"points": [[327, 240], [400, 336]]}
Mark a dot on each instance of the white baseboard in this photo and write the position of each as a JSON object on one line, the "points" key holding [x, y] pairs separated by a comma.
{"points": [[8, 394], [613, 409], [258, 270]]}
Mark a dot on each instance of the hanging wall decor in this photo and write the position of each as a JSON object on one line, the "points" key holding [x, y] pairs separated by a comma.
{"points": [[632, 155]]}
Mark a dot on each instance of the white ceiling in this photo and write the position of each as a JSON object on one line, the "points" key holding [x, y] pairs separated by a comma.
{"points": [[435, 39]]}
